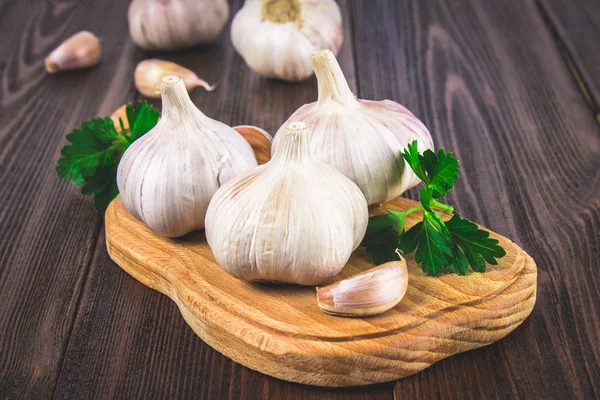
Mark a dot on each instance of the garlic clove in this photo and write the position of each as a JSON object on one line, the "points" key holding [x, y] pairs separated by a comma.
{"points": [[149, 73], [276, 37], [81, 50], [369, 293], [362, 139], [175, 24], [259, 139]]}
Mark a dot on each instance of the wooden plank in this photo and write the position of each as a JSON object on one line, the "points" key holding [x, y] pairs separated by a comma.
{"points": [[577, 24], [486, 78], [130, 341], [47, 230]]}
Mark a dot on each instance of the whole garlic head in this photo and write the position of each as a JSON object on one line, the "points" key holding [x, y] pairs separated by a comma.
{"points": [[175, 24], [168, 176], [362, 139], [293, 220], [277, 37]]}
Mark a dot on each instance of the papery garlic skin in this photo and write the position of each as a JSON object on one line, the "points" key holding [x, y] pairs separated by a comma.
{"points": [[176, 24], [82, 50], [362, 139], [168, 176], [292, 220], [277, 37]]}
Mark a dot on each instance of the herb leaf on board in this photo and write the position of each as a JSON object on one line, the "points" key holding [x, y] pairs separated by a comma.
{"points": [[91, 158]]}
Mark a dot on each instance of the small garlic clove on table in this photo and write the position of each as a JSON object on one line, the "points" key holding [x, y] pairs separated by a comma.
{"points": [[81, 50], [369, 293], [149, 73]]}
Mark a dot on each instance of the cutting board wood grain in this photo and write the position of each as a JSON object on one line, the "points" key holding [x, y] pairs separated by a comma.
{"points": [[279, 329]]}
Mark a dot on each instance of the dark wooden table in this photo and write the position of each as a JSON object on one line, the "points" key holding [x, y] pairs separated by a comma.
{"points": [[512, 87]]}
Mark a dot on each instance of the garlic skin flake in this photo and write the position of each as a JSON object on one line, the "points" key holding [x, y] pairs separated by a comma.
{"points": [[176, 24], [292, 220], [362, 139], [168, 176], [277, 37]]}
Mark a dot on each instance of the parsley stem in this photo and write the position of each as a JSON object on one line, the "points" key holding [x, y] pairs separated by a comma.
{"points": [[442, 206], [413, 209]]}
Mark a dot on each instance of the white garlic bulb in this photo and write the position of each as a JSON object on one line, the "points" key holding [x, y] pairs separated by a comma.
{"points": [[175, 24], [362, 139], [277, 37], [168, 176], [292, 220]]}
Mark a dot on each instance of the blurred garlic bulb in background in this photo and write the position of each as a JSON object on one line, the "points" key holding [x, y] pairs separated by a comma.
{"points": [[277, 37], [292, 220], [175, 24], [362, 139], [167, 177], [82, 50], [149, 73]]}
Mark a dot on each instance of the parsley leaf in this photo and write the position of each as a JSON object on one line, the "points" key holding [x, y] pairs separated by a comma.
{"points": [[381, 239], [440, 246], [474, 242], [92, 156]]}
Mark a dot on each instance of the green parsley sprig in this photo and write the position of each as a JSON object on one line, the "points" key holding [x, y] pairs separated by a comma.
{"points": [[92, 157], [440, 246]]}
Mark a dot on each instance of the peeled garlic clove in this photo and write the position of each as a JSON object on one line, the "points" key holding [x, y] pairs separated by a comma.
{"points": [[259, 139], [362, 139], [81, 50], [276, 37], [167, 177], [292, 220], [149, 73], [175, 24], [369, 293]]}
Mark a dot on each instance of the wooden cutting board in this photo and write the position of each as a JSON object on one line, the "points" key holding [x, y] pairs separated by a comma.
{"points": [[280, 331]]}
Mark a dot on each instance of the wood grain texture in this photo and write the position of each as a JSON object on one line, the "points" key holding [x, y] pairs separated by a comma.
{"points": [[48, 230], [577, 24], [487, 79], [181, 365], [280, 331], [485, 76]]}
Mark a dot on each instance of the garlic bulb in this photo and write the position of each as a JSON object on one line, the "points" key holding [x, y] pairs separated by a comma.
{"points": [[174, 24], [369, 293], [168, 176], [81, 50], [277, 37], [292, 220], [149, 73], [361, 138]]}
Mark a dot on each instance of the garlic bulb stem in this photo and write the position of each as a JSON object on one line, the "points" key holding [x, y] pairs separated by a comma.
{"points": [[332, 84], [176, 100], [294, 145]]}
